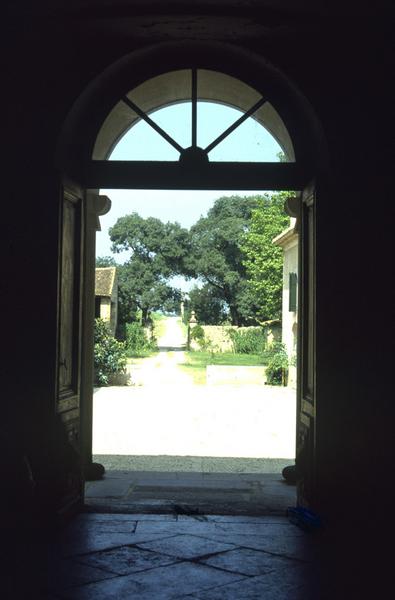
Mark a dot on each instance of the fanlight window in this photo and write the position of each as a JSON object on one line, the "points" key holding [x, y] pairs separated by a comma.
{"points": [[208, 107], [250, 141]]}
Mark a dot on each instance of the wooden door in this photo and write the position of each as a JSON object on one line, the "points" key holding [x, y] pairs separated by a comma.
{"points": [[69, 346], [306, 404]]}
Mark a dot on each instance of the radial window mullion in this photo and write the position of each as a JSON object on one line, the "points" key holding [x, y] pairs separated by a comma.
{"points": [[152, 123], [194, 107], [235, 125]]}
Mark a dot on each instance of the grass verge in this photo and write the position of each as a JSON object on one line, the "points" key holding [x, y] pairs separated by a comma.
{"points": [[159, 324], [196, 362]]}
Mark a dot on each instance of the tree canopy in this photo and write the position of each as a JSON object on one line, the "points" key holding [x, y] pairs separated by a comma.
{"points": [[216, 257], [263, 260], [208, 307], [157, 253], [230, 251], [106, 261]]}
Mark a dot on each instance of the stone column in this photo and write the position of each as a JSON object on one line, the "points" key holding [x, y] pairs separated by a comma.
{"points": [[192, 323]]}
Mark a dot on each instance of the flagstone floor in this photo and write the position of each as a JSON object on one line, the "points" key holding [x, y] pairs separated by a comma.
{"points": [[160, 557]]}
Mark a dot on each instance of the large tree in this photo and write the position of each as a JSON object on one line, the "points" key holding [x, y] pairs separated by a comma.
{"points": [[262, 259], [106, 261], [209, 308], [217, 258], [157, 253]]}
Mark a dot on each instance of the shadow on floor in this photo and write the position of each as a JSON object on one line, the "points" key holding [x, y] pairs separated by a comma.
{"points": [[172, 348]]}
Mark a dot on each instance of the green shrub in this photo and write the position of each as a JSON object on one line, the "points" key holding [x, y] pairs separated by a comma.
{"points": [[197, 333], [109, 354], [248, 341], [277, 364], [137, 342]]}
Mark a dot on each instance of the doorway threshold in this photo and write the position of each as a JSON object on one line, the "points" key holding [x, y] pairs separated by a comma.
{"points": [[190, 493]]}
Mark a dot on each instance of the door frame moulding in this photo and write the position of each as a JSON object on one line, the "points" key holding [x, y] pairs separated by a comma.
{"points": [[78, 137], [158, 175]]}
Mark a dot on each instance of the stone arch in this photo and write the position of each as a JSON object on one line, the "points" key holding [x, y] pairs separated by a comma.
{"points": [[175, 87], [94, 124], [79, 152]]}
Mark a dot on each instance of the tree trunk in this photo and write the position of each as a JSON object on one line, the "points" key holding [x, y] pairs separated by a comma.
{"points": [[234, 315], [145, 316]]}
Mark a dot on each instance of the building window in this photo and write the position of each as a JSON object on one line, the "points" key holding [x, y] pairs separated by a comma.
{"points": [[293, 286]]}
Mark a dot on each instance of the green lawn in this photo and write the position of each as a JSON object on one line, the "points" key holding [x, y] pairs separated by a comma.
{"points": [[196, 362]]}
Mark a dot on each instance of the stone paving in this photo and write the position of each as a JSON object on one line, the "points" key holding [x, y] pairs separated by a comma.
{"points": [[208, 493], [160, 557]]}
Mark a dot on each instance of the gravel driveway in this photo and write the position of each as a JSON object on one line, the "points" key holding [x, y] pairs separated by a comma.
{"points": [[164, 413]]}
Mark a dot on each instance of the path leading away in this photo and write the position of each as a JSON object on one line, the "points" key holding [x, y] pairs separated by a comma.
{"points": [[173, 337], [162, 369], [164, 413]]}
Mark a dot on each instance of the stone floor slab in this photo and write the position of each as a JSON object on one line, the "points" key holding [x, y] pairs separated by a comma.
{"points": [[295, 547], [271, 586], [179, 557], [173, 581], [119, 587], [111, 487], [191, 526], [126, 560], [180, 579], [107, 525], [186, 546], [250, 528], [247, 562], [68, 573], [134, 517], [263, 520], [97, 541]]}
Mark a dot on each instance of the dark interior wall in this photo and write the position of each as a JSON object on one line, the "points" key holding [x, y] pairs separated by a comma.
{"points": [[343, 66]]}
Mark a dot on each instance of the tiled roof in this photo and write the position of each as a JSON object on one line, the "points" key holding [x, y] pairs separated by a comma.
{"points": [[104, 281]]}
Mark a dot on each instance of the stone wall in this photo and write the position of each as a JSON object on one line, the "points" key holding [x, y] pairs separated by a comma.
{"points": [[290, 318], [220, 340], [105, 309]]}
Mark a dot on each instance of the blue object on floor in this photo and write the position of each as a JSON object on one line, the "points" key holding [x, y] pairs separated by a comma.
{"points": [[304, 518]]}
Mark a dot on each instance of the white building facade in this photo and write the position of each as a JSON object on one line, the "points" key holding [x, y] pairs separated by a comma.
{"points": [[288, 241]]}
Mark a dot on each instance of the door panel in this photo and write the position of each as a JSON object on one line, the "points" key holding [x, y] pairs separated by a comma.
{"points": [[69, 344], [70, 302], [305, 444]]}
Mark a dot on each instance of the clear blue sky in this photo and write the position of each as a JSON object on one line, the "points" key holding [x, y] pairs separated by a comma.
{"points": [[249, 142]]}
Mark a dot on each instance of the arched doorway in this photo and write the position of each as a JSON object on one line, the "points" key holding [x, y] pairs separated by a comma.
{"points": [[171, 73]]}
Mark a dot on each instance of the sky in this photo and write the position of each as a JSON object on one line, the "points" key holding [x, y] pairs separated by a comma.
{"points": [[249, 142]]}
